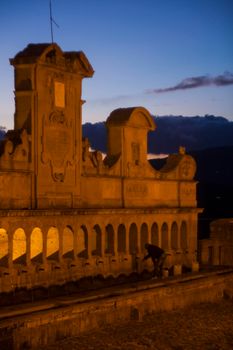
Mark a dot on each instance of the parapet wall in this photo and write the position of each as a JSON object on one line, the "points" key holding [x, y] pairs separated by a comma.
{"points": [[69, 317]]}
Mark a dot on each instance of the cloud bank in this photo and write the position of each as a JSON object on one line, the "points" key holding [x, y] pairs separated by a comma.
{"points": [[196, 82]]}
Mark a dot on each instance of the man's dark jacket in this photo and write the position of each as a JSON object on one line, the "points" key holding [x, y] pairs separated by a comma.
{"points": [[154, 252]]}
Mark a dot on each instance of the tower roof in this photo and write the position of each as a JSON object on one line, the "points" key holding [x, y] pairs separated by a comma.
{"points": [[35, 52], [131, 116]]}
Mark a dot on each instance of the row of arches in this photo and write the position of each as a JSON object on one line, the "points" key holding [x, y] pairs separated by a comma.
{"points": [[84, 243]]}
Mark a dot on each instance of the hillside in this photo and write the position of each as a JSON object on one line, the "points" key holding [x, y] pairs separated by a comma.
{"points": [[2, 132], [215, 185]]}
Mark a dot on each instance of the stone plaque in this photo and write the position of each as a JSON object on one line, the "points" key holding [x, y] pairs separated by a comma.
{"points": [[59, 94]]}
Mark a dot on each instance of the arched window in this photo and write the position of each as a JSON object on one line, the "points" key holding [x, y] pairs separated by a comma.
{"points": [[19, 247], [3, 247], [68, 243], [174, 236], [144, 236], [155, 234], [96, 241], [164, 236], [121, 239], [109, 247], [36, 245], [52, 249], [82, 242], [133, 239], [183, 236]]}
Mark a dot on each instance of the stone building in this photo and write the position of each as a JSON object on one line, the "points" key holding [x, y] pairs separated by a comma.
{"points": [[218, 249], [65, 212]]}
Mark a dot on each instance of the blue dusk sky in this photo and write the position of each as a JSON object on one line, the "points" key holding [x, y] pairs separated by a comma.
{"points": [[170, 56]]}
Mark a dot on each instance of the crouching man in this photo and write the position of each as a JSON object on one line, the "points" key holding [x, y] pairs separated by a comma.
{"points": [[157, 256]]}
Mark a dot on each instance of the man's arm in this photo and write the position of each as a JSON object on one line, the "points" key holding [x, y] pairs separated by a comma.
{"points": [[146, 257]]}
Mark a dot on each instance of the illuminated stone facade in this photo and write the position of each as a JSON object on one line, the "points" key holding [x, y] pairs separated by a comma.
{"points": [[65, 212]]}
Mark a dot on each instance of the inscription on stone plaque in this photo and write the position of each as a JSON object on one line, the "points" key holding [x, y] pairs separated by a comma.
{"points": [[136, 190], [59, 94]]}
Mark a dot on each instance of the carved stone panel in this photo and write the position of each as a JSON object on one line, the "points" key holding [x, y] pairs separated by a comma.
{"points": [[58, 144]]}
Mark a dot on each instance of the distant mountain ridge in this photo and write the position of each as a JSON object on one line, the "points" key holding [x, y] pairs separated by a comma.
{"points": [[194, 133]]}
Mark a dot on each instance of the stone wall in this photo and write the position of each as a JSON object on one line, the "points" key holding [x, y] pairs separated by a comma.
{"points": [[61, 320]]}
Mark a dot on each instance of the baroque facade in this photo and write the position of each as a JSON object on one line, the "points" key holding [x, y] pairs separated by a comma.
{"points": [[65, 211]]}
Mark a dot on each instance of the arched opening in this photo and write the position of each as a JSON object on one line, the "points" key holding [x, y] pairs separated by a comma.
{"points": [[164, 235], [52, 249], [3, 247], [183, 236], [36, 245], [121, 239], [133, 239], [82, 242], [19, 247], [144, 236], [109, 247], [68, 243], [174, 236], [96, 242], [155, 234]]}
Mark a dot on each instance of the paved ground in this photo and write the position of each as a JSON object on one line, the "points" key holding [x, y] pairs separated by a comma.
{"points": [[202, 327]]}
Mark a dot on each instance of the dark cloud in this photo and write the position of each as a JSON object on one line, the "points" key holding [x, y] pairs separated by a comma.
{"points": [[195, 82]]}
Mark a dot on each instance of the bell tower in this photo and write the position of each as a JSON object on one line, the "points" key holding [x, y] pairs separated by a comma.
{"points": [[48, 104]]}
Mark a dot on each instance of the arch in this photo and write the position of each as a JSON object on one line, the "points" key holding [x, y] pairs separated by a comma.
{"points": [[96, 242], [68, 243], [121, 239], [133, 239], [82, 242], [143, 236], [19, 247], [164, 235], [155, 234], [36, 245], [183, 236], [52, 244], [174, 236], [4, 247], [109, 242]]}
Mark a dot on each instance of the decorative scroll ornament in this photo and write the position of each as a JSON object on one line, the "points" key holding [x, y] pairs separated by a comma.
{"points": [[58, 144], [187, 167]]}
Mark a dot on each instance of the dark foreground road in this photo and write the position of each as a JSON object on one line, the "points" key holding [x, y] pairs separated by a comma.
{"points": [[201, 327]]}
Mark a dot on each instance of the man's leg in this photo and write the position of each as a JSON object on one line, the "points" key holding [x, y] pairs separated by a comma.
{"points": [[160, 264], [156, 270]]}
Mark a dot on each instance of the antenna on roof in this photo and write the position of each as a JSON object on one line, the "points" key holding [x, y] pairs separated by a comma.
{"points": [[51, 20]]}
